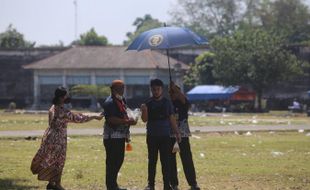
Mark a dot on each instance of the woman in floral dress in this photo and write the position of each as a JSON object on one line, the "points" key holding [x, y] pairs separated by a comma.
{"points": [[49, 161]]}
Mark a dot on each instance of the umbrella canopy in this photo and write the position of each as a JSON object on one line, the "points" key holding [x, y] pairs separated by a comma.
{"points": [[211, 92], [166, 38]]}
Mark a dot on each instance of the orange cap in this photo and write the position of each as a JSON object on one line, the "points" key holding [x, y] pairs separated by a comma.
{"points": [[117, 83]]}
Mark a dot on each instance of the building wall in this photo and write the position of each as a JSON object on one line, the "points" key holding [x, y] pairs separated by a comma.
{"points": [[16, 83], [136, 82]]}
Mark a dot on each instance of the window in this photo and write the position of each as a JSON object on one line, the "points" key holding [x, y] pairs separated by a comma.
{"points": [[134, 80], [106, 80], [50, 80], [73, 80]]}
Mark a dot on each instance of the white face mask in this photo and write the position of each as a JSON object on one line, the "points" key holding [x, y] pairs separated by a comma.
{"points": [[119, 96]]}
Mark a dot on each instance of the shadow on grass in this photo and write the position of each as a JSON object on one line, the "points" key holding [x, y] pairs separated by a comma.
{"points": [[15, 184]]}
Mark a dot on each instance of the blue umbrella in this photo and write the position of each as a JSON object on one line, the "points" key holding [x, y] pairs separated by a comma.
{"points": [[166, 38]]}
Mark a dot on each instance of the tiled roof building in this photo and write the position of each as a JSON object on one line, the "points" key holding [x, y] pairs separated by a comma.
{"points": [[100, 65]]}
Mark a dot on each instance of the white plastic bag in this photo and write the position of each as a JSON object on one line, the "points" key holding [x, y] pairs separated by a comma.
{"points": [[134, 114], [176, 147]]}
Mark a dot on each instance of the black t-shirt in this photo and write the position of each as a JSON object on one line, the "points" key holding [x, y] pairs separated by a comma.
{"points": [[158, 117]]}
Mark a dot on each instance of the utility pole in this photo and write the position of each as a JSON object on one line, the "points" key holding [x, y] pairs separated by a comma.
{"points": [[75, 19]]}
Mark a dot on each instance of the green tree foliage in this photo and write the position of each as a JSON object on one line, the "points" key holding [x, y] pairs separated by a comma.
{"points": [[288, 17], [201, 71], [142, 24], [93, 90], [11, 38], [207, 17], [91, 38], [254, 58], [222, 17]]}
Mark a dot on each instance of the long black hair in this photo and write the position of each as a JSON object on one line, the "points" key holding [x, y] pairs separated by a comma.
{"points": [[59, 93]]}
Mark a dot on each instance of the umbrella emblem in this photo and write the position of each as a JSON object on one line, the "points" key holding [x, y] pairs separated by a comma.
{"points": [[156, 40]]}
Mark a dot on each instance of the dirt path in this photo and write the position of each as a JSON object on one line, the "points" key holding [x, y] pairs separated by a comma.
{"points": [[133, 130]]}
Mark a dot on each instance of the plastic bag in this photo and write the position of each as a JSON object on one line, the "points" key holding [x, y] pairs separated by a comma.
{"points": [[176, 147], [134, 114]]}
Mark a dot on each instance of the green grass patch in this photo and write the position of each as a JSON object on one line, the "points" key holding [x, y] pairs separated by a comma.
{"points": [[223, 161]]}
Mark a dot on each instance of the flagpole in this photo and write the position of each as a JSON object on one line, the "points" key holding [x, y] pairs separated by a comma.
{"points": [[75, 19]]}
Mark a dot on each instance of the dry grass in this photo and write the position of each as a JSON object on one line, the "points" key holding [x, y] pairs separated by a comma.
{"points": [[223, 161]]}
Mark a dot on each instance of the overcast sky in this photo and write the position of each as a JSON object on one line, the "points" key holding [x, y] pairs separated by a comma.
{"points": [[49, 21]]}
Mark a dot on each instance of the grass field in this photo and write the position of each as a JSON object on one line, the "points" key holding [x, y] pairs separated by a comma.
{"points": [[9, 121], [223, 161]]}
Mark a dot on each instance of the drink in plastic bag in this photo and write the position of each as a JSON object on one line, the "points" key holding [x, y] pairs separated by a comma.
{"points": [[134, 114]]}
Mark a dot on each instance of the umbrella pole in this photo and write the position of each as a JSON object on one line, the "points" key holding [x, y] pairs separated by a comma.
{"points": [[169, 64]]}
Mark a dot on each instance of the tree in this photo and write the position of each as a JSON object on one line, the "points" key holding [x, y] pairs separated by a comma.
{"points": [[288, 17], [208, 17], [222, 17], [91, 38], [201, 71], [142, 24], [254, 58], [95, 91], [11, 38]]}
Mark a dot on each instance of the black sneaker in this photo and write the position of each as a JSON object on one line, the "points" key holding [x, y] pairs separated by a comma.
{"points": [[118, 188], [149, 187], [168, 188], [51, 187], [195, 187], [175, 187]]}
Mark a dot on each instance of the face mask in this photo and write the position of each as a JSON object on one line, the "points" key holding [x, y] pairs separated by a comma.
{"points": [[119, 96], [67, 100]]}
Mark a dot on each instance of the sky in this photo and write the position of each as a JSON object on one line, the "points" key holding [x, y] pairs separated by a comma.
{"points": [[49, 22]]}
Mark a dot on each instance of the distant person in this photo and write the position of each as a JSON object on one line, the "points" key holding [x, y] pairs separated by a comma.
{"points": [[116, 132], [296, 106], [50, 159], [158, 113], [181, 106]]}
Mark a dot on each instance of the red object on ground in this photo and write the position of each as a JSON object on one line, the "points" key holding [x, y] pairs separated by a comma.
{"points": [[128, 147], [243, 94]]}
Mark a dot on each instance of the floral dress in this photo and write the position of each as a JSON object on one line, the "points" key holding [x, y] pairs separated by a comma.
{"points": [[49, 161]]}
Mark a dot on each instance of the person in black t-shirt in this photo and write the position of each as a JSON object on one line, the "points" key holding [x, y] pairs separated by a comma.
{"points": [[181, 107], [159, 115]]}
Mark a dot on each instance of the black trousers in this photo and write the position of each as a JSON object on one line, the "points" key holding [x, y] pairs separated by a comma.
{"points": [[187, 162], [115, 152], [159, 144]]}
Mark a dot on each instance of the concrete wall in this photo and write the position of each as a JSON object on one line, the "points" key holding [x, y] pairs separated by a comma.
{"points": [[16, 83]]}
